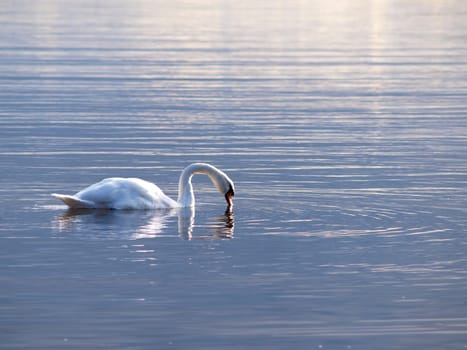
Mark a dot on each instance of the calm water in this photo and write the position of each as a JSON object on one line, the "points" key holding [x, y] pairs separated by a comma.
{"points": [[343, 126]]}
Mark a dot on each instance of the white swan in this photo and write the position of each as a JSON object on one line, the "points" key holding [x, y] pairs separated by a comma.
{"points": [[132, 193]]}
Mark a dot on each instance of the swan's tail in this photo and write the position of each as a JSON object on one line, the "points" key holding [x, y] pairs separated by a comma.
{"points": [[73, 202]]}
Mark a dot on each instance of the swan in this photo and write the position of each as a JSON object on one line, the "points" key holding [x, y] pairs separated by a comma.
{"points": [[133, 193]]}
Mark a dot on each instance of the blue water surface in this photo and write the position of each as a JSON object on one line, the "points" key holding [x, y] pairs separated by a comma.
{"points": [[343, 126]]}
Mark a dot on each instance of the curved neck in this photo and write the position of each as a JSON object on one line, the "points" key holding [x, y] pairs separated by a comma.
{"points": [[186, 197]]}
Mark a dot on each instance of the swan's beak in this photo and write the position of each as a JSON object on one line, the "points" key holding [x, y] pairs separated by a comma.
{"points": [[229, 198]]}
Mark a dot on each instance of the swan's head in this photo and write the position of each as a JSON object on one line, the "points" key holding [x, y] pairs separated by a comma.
{"points": [[220, 179], [229, 196]]}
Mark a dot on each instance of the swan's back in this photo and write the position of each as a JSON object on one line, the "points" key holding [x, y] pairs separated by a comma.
{"points": [[125, 193]]}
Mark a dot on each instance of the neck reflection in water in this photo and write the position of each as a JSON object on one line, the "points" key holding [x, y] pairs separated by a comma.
{"points": [[101, 224]]}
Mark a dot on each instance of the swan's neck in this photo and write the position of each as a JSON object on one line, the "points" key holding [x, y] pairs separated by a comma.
{"points": [[186, 197]]}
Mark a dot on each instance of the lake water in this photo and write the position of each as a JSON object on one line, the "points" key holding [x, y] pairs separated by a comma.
{"points": [[343, 126]]}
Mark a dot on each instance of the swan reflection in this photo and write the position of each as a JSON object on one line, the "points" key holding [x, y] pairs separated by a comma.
{"points": [[137, 224]]}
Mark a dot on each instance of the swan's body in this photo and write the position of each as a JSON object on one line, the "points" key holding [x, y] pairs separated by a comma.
{"points": [[132, 193]]}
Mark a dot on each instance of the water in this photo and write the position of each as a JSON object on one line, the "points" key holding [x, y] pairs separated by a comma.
{"points": [[343, 126]]}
